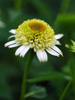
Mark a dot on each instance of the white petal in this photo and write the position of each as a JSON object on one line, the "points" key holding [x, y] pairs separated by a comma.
{"points": [[13, 31], [57, 50], [24, 51], [58, 43], [9, 43], [18, 51], [13, 45], [52, 52], [11, 36], [42, 56], [58, 36]]}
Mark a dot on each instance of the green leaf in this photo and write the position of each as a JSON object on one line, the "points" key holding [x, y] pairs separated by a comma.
{"points": [[36, 92], [65, 22], [49, 76]]}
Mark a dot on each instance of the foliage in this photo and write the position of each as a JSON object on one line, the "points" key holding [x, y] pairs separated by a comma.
{"points": [[46, 81]]}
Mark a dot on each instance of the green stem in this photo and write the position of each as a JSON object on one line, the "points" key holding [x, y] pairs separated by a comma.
{"points": [[72, 71], [17, 5], [66, 89], [23, 89]]}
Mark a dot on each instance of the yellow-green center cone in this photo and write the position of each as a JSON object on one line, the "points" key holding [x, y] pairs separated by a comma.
{"points": [[35, 33]]}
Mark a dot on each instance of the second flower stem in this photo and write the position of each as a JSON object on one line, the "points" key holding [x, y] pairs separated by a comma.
{"points": [[23, 89], [72, 71], [65, 90]]}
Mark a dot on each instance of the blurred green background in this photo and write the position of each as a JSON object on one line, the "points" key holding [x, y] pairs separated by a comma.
{"points": [[51, 77]]}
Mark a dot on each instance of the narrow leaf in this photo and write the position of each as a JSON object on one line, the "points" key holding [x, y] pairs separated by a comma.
{"points": [[49, 76]]}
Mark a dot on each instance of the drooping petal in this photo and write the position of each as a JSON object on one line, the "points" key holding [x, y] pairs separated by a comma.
{"points": [[58, 43], [9, 43], [13, 31], [13, 45], [24, 51], [52, 52], [55, 48], [11, 36], [42, 56], [18, 51], [58, 36]]}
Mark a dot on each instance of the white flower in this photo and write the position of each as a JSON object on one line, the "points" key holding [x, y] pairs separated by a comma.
{"points": [[37, 35]]}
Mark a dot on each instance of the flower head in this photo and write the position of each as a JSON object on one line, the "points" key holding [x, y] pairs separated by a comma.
{"points": [[71, 47], [37, 35]]}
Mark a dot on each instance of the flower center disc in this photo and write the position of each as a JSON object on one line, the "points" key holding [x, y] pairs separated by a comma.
{"points": [[37, 26]]}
